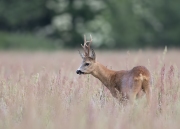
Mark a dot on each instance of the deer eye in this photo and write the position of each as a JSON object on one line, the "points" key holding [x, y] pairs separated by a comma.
{"points": [[86, 64]]}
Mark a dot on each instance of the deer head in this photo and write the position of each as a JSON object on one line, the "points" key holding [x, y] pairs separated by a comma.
{"points": [[89, 60]]}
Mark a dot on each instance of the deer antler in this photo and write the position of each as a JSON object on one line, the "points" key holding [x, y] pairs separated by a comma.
{"points": [[86, 46]]}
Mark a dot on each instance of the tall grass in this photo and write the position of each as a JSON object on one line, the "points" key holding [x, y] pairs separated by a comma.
{"points": [[42, 90]]}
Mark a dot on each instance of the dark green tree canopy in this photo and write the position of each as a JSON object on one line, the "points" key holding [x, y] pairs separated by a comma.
{"points": [[112, 23]]}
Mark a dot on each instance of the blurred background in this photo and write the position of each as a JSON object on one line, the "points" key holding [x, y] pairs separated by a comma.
{"points": [[114, 24]]}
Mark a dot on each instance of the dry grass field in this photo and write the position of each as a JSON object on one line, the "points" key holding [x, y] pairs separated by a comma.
{"points": [[42, 91]]}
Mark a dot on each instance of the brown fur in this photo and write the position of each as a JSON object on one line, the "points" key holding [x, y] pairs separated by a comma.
{"points": [[122, 84], [126, 84]]}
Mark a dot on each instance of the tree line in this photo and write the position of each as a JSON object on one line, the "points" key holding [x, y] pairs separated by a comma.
{"points": [[112, 23]]}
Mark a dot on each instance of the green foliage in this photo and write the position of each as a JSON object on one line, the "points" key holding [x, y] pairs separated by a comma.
{"points": [[112, 23], [72, 19], [25, 41], [139, 23], [24, 15]]}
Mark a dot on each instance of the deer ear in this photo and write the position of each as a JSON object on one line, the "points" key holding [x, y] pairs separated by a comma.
{"points": [[93, 54], [82, 56]]}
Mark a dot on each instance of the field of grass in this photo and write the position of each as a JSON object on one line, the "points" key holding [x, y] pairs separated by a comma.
{"points": [[42, 91]]}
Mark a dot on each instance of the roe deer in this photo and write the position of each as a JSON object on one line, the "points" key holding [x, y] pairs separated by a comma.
{"points": [[124, 84]]}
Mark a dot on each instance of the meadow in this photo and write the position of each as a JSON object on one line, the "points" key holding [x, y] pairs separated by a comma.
{"points": [[41, 90]]}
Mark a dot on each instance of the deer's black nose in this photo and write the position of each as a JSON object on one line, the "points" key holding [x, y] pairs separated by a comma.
{"points": [[78, 71]]}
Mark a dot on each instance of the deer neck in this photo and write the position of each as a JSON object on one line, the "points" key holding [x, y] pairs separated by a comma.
{"points": [[103, 74]]}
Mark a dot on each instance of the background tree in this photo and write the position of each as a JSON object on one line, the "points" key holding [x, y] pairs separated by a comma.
{"points": [[21, 15], [112, 23], [74, 18]]}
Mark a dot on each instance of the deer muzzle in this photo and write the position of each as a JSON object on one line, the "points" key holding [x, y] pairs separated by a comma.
{"points": [[79, 72]]}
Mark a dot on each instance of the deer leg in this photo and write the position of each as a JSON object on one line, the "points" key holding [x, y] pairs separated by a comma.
{"points": [[136, 88], [113, 92], [140, 94], [147, 90], [148, 95]]}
